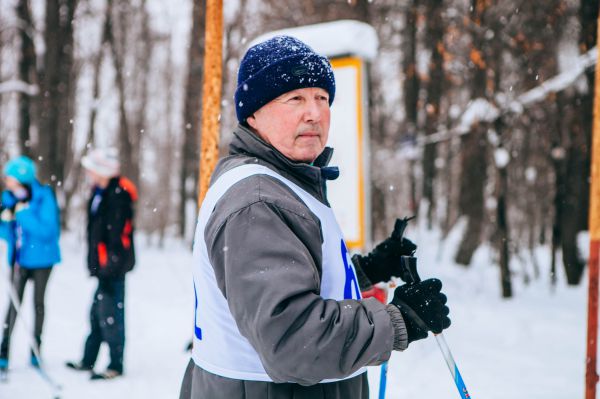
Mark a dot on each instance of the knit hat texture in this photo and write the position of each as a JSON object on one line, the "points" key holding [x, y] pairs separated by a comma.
{"points": [[277, 66], [22, 169], [103, 161]]}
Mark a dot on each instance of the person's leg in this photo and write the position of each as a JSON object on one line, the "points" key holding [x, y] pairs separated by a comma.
{"points": [[19, 279], [40, 281], [112, 316], [94, 340]]}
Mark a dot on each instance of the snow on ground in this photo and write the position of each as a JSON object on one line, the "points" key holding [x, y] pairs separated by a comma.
{"points": [[158, 305], [531, 346]]}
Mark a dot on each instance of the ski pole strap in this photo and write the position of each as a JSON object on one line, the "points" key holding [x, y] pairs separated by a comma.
{"points": [[458, 381], [408, 269]]}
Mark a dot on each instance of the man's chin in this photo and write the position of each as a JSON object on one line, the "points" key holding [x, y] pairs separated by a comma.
{"points": [[306, 158]]}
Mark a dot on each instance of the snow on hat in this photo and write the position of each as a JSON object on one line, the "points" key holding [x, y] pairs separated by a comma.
{"points": [[276, 66], [22, 169], [104, 162]]}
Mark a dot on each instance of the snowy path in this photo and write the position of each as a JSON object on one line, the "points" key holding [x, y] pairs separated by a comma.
{"points": [[529, 347], [158, 308]]}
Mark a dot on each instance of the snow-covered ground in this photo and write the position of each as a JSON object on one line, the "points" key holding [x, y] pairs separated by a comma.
{"points": [[532, 346]]}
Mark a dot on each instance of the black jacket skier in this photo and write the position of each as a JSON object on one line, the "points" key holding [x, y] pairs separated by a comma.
{"points": [[111, 251]]}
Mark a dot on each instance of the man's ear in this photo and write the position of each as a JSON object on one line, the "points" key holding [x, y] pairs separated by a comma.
{"points": [[251, 121]]}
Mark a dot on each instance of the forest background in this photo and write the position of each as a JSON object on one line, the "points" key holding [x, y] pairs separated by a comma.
{"points": [[480, 112]]}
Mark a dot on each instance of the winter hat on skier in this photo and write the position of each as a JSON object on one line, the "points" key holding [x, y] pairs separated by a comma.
{"points": [[103, 161], [22, 169], [276, 66]]}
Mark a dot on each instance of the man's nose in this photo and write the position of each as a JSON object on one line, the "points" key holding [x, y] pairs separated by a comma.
{"points": [[312, 111]]}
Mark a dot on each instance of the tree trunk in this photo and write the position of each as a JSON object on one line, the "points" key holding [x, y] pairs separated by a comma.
{"points": [[411, 91], [129, 161], [145, 48], [574, 202], [578, 157], [471, 198], [435, 41], [188, 179], [73, 176], [56, 126], [474, 152], [26, 74], [502, 233]]}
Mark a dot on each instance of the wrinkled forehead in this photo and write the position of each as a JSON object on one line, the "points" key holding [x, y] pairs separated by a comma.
{"points": [[304, 92]]}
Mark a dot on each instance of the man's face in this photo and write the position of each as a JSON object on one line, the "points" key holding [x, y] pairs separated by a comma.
{"points": [[295, 123], [96, 179]]}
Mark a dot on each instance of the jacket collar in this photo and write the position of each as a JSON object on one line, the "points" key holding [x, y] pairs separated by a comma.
{"points": [[312, 175]]}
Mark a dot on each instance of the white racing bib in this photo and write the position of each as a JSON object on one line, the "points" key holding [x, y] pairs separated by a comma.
{"points": [[219, 347]]}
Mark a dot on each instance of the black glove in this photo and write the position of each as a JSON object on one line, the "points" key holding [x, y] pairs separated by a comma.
{"points": [[423, 308], [383, 262]]}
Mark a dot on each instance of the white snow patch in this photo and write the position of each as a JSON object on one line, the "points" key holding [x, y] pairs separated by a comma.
{"points": [[583, 244]]}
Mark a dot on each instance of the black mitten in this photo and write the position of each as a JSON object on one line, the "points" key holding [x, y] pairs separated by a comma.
{"points": [[423, 307], [383, 262]]}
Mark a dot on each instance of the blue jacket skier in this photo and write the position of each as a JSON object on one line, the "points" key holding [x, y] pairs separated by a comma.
{"points": [[29, 223]]}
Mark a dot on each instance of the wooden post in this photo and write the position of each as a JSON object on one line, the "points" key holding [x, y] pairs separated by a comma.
{"points": [[211, 93], [591, 375]]}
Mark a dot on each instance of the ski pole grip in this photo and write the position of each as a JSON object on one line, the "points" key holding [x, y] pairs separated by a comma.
{"points": [[408, 267]]}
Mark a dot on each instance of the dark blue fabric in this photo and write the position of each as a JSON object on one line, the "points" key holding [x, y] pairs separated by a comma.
{"points": [[330, 172], [276, 66], [107, 319]]}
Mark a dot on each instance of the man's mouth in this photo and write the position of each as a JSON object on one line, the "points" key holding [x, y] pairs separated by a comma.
{"points": [[309, 133]]}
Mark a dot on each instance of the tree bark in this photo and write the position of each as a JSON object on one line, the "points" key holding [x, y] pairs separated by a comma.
{"points": [[435, 84], [474, 151], [188, 179], [26, 74], [411, 91], [56, 79], [128, 167]]}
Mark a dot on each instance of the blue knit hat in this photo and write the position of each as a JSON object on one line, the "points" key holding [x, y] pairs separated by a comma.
{"points": [[22, 169], [276, 66]]}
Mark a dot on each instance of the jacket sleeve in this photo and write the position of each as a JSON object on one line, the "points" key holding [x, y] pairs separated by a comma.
{"points": [[271, 281], [40, 219]]}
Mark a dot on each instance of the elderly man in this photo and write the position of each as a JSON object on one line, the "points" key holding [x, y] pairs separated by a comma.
{"points": [[278, 307]]}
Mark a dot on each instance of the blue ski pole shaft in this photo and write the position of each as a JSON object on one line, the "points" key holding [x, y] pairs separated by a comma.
{"points": [[412, 276], [460, 385], [383, 380]]}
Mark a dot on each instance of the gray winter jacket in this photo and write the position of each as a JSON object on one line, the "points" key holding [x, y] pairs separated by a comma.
{"points": [[315, 339]]}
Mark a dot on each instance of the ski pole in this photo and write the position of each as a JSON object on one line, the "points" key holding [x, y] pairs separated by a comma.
{"points": [[383, 380], [458, 381], [14, 298], [409, 264]]}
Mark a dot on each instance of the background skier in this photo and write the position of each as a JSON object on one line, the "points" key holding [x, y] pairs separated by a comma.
{"points": [[29, 223], [110, 256]]}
